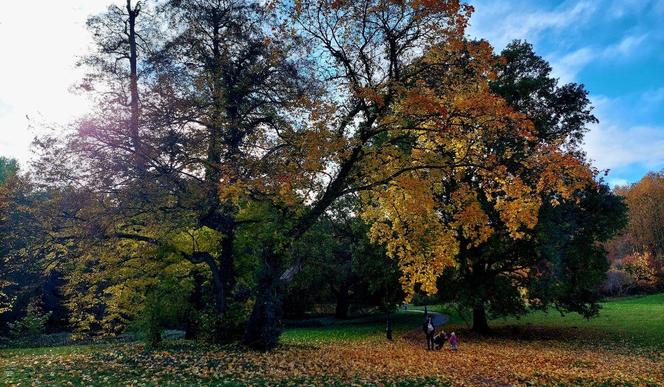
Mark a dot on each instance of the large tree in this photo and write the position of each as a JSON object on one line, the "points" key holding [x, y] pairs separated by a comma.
{"points": [[27, 273], [363, 52], [178, 123], [559, 262]]}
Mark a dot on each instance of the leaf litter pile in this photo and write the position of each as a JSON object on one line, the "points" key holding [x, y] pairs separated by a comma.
{"points": [[479, 361]]}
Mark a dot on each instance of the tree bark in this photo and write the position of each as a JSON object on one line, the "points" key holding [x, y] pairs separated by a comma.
{"points": [[480, 323], [196, 302], [388, 328], [133, 86], [263, 328], [343, 303], [217, 282], [227, 265]]}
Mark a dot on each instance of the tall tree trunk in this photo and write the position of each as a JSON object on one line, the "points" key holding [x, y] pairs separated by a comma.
{"points": [[218, 290], [388, 328], [480, 323], [133, 87], [196, 302], [263, 328], [227, 265], [226, 257], [217, 281], [343, 303]]}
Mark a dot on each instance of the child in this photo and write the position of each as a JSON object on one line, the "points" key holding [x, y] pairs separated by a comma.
{"points": [[454, 342]]}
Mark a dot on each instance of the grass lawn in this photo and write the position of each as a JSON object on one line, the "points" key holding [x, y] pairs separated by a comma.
{"points": [[621, 347], [637, 321]]}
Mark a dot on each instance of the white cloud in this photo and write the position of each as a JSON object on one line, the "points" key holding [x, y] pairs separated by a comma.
{"points": [[653, 98], [4, 107], [623, 48], [616, 144], [618, 182], [611, 146], [502, 22], [566, 66], [621, 8]]}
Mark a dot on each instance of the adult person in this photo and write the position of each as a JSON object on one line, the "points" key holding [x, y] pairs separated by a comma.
{"points": [[429, 331]]}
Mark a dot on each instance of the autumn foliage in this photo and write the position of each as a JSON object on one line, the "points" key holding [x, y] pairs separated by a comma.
{"points": [[226, 134], [479, 362]]}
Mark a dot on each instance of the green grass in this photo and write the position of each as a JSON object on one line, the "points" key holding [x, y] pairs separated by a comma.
{"points": [[639, 320], [342, 330], [63, 350], [636, 319]]}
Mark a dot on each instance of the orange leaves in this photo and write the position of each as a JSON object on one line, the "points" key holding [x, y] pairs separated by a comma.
{"points": [[470, 218], [371, 95], [562, 173], [495, 361], [422, 102]]}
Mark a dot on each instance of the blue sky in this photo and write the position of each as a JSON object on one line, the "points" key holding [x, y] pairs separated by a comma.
{"points": [[616, 49]]}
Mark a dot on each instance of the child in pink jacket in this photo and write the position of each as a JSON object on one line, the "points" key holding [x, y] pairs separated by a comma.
{"points": [[454, 342]]}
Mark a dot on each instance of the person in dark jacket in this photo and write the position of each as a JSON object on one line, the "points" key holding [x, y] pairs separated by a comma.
{"points": [[440, 339], [429, 331]]}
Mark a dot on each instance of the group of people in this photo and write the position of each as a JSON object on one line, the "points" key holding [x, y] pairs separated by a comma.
{"points": [[437, 341]]}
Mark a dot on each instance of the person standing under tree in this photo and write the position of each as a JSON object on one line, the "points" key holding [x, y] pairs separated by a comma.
{"points": [[429, 331]]}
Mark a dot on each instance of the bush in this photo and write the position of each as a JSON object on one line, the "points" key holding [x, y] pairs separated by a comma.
{"points": [[31, 325], [166, 304], [618, 282], [213, 329], [634, 273]]}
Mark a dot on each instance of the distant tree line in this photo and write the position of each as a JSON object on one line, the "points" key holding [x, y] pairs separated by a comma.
{"points": [[637, 252]]}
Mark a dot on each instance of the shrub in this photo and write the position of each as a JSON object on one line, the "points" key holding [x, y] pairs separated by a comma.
{"points": [[31, 325]]}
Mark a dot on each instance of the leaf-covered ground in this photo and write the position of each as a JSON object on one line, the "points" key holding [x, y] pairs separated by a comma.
{"points": [[523, 355], [494, 361]]}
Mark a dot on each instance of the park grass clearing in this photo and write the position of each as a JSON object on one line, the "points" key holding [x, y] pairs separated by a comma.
{"points": [[636, 321], [556, 351]]}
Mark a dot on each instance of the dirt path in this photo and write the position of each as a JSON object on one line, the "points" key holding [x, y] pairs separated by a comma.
{"points": [[416, 335], [439, 319]]}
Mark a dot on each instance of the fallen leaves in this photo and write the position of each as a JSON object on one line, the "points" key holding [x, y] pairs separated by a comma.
{"points": [[479, 361]]}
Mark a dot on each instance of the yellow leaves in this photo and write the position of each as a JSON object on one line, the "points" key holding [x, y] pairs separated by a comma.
{"points": [[470, 217], [461, 164], [518, 206], [203, 239], [233, 192], [499, 361], [404, 220]]}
